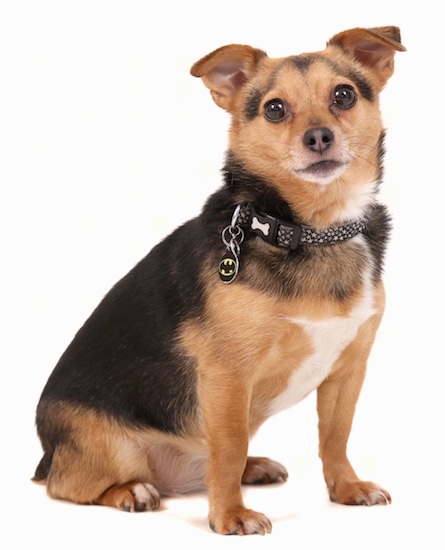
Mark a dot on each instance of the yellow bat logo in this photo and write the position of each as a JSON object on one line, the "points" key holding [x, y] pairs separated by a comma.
{"points": [[227, 267]]}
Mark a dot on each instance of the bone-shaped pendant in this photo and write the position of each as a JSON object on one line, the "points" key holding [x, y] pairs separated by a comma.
{"points": [[263, 227]]}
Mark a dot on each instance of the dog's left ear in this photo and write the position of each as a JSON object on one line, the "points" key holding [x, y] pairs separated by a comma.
{"points": [[226, 70], [375, 48]]}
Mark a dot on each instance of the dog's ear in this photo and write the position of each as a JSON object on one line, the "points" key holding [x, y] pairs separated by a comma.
{"points": [[226, 70], [375, 48]]}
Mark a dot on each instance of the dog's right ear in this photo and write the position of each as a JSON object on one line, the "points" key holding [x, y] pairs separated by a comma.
{"points": [[226, 70]]}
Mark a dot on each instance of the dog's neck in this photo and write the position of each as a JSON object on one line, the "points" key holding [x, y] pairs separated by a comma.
{"points": [[270, 208]]}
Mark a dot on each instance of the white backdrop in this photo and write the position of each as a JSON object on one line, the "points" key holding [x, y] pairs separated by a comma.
{"points": [[107, 144]]}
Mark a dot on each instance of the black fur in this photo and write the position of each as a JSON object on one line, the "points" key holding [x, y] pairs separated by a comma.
{"points": [[362, 84], [302, 62], [124, 360], [253, 103]]}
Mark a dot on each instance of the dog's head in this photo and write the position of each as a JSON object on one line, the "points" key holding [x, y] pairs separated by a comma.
{"points": [[308, 119]]}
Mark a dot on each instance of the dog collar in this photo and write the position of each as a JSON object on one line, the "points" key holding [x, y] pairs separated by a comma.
{"points": [[289, 235], [276, 232]]}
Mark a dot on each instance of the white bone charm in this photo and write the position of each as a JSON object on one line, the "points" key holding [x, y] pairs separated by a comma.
{"points": [[263, 227]]}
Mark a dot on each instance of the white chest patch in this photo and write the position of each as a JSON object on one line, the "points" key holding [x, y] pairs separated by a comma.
{"points": [[329, 337]]}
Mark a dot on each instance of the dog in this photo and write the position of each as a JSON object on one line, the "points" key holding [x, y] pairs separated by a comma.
{"points": [[273, 291]]}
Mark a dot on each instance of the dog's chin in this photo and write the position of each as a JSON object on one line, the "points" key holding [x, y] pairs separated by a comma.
{"points": [[322, 172]]}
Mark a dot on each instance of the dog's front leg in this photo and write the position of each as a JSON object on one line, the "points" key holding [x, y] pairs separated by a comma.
{"points": [[336, 400], [225, 409]]}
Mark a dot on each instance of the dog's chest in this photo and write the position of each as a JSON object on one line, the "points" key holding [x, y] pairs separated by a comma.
{"points": [[328, 338]]}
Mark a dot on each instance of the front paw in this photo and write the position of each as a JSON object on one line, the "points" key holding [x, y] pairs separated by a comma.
{"points": [[358, 492], [240, 522]]}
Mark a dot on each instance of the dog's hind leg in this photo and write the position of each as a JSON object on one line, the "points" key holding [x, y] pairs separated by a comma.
{"points": [[90, 459], [261, 470], [131, 497]]}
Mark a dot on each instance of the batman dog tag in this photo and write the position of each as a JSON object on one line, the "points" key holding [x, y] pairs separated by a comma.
{"points": [[228, 267]]}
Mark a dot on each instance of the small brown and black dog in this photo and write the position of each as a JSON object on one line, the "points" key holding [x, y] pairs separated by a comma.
{"points": [[273, 291]]}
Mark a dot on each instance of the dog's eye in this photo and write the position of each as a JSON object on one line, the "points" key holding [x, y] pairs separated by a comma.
{"points": [[275, 110], [344, 97]]}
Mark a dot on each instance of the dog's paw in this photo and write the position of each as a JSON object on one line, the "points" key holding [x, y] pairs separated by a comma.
{"points": [[363, 493], [263, 470], [131, 497], [241, 522]]}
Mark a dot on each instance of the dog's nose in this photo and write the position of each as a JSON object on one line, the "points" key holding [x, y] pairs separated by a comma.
{"points": [[318, 139]]}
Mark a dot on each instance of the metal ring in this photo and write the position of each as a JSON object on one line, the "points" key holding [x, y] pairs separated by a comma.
{"points": [[236, 235]]}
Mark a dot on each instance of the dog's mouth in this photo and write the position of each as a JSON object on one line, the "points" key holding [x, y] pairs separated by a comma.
{"points": [[323, 167], [322, 170]]}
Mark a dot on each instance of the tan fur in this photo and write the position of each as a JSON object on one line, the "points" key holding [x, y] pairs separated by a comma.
{"points": [[98, 453], [108, 462], [244, 362]]}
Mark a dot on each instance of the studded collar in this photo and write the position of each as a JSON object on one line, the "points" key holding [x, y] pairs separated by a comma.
{"points": [[289, 235]]}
